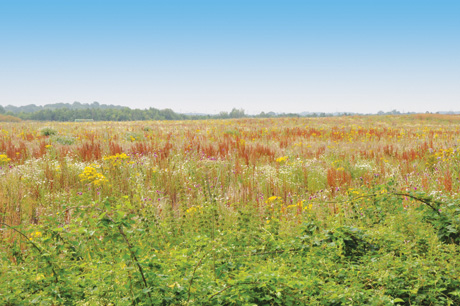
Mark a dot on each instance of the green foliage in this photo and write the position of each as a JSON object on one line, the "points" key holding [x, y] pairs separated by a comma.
{"points": [[48, 131], [110, 252], [445, 218]]}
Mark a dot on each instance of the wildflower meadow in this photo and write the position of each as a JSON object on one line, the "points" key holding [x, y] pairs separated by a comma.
{"points": [[351, 210]]}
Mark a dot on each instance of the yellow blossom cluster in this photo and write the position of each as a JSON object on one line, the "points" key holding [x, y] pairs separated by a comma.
{"points": [[117, 159], [443, 155], [281, 159], [4, 159], [272, 199], [90, 175]]}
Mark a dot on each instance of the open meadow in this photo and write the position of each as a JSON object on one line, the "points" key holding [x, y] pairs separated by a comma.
{"points": [[360, 210]]}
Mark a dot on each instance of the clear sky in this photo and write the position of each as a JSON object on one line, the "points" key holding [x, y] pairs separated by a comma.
{"points": [[213, 55]]}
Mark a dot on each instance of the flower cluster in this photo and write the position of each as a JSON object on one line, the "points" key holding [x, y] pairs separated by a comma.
{"points": [[117, 159], [281, 159], [91, 176], [4, 159]]}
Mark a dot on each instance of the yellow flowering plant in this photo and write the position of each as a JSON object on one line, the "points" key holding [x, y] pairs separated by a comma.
{"points": [[117, 159], [281, 159], [91, 176], [4, 159]]}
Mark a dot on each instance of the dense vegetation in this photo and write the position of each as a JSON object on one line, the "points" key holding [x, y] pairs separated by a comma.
{"points": [[102, 112], [319, 211], [94, 111]]}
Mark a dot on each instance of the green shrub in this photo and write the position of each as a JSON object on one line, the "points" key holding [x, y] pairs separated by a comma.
{"points": [[48, 131]]}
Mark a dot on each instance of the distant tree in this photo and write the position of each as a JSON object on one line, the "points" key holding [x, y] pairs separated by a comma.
{"points": [[237, 113], [2, 110], [77, 105], [30, 108], [223, 115], [167, 114]]}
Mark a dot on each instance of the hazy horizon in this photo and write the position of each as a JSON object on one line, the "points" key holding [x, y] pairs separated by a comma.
{"points": [[211, 56]]}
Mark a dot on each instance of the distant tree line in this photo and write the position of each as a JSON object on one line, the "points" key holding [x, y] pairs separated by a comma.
{"points": [[103, 112], [99, 114]]}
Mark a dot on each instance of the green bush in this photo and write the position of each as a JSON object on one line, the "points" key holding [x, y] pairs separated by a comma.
{"points": [[47, 131]]}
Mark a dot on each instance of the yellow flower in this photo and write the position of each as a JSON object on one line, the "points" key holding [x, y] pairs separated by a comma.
{"points": [[117, 159], [4, 159], [35, 235], [193, 209], [90, 175], [281, 159]]}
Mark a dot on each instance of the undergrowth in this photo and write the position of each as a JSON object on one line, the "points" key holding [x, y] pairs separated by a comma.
{"points": [[111, 253]]}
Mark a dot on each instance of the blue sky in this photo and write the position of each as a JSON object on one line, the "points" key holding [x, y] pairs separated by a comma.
{"points": [[211, 56]]}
